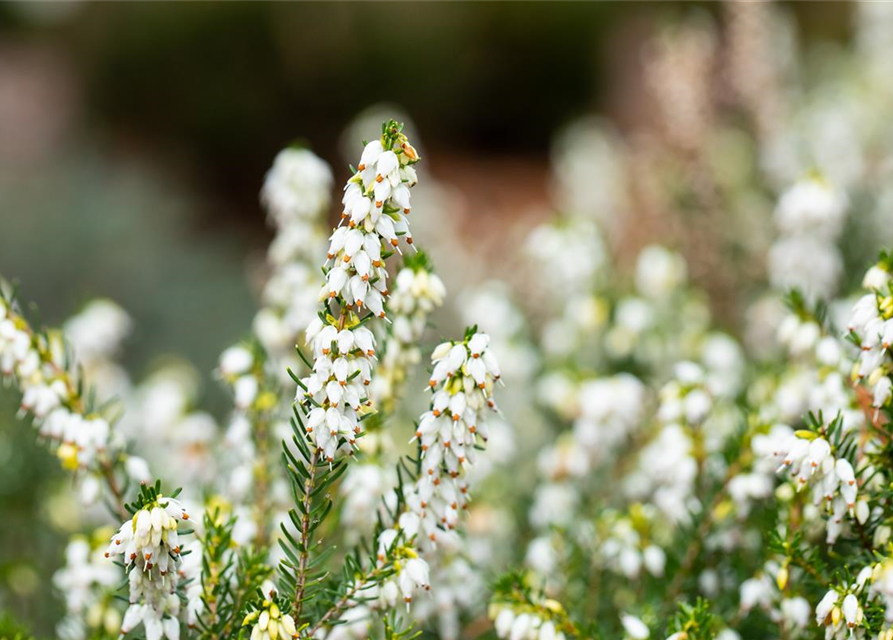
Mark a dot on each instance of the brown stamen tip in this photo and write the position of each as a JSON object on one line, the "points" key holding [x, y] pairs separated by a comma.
{"points": [[406, 211], [394, 242], [361, 167], [472, 429], [409, 240], [379, 178], [378, 204], [347, 258]]}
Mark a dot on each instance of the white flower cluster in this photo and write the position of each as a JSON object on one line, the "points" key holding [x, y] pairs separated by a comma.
{"points": [[525, 625], [462, 381], [417, 292], [816, 378], [376, 201], [342, 368], [626, 551], [35, 363], [84, 582], [809, 218], [297, 195], [150, 546], [762, 592], [667, 467], [98, 330], [871, 321], [840, 610], [606, 412], [809, 459], [412, 573]]}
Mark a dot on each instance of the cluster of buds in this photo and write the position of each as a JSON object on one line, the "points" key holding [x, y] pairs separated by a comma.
{"points": [[150, 546], [462, 382], [268, 622], [34, 362], [376, 201]]}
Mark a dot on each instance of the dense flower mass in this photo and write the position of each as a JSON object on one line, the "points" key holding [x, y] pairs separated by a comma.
{"points": [[693, 441]]}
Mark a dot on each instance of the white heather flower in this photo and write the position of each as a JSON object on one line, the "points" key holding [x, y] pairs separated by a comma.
{"points": [[852, 611], [298, 186], [98, 330], [756, 592], [235, 361], [811, 206], [572, 253], [824, 607], [634, 627], [809, 218], [610, 409], [876, 278], [659, 272]]}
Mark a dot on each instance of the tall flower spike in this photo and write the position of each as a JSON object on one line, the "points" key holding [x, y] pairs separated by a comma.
{"points": [[462, 382], [376, 202], [296, 195]]}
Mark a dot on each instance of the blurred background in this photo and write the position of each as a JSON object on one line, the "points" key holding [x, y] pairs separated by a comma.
{"points": [[134, 139]]}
